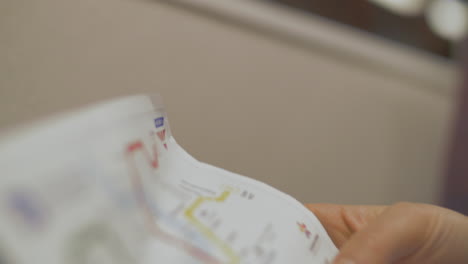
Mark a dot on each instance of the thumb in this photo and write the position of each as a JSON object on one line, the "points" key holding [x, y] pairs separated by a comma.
{"points": [[399, 231]]}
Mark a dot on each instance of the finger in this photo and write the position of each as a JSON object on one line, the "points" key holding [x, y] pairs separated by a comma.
{"points": [[341, 221], [331, 218], [396, 233]]}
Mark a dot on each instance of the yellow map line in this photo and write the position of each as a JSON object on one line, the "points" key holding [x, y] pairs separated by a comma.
{"points": [[189, 213]]}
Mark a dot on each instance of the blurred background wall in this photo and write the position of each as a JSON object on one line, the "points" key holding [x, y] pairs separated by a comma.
{"points": [[316, 109]]}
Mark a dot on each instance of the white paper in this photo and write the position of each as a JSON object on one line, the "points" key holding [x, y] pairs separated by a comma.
{"points": [[109, 184]]}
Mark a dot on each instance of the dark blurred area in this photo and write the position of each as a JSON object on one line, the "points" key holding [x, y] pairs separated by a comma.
{"points": [[364, 15], [455, 195]]}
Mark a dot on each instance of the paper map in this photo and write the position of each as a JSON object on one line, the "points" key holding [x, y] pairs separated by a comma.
{"points": [[110, 185]]}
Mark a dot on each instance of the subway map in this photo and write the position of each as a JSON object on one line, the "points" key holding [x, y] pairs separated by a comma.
{"points": [[128, 193]]}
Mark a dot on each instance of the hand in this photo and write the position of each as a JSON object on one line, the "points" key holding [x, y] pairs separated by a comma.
{"points": [[404, 233]]}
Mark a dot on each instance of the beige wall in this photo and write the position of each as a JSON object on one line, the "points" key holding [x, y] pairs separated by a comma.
{"points": [[321, 126]]}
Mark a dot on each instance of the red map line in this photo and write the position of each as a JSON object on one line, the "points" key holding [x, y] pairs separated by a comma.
{"points": [[142, 199]]}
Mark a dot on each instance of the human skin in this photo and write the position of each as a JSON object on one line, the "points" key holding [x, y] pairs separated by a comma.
{"points": [[403, 233]]}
